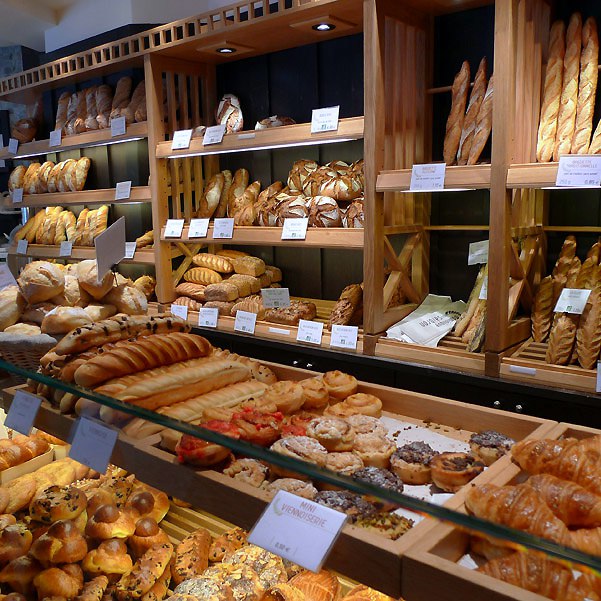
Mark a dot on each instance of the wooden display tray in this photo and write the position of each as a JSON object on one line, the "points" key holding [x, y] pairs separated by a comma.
{"points": [[474, 177], [26, 468], [527, 364], [144, 256], [430, 569], [85, 197]]}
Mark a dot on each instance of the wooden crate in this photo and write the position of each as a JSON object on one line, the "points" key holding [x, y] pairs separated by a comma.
{"points": [[27, 467], [430, 570]]}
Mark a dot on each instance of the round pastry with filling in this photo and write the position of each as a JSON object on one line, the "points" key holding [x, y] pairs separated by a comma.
{"points": [[203, 453], [374, 450], [490, 445], [364, 424], [451, 471], [296, 425], [345, 464], [294, 486], [333, 433], [250, 471], [302, 448], [340, 385], [366, 404], [348, 502], [381, 478], [288, 396], [411, 462], [258, 427]]}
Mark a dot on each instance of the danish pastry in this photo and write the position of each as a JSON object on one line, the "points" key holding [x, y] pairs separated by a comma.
{"points": [[339, 384], [451, 471], [298, 447], [411, 462], [333, 433], [374, 450]]}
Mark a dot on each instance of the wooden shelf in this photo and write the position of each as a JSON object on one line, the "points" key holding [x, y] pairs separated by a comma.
{"points": [[87, 139], [468, 177], [262, 139], [85, 197], [334, 237], [532, 175], [52, 251]]}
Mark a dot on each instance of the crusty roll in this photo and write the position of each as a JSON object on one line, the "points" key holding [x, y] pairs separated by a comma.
{"points": [[127, 299], [40, 281], [17, 177], [461, 85], [483, 125], [64, 319], [87, 274]]}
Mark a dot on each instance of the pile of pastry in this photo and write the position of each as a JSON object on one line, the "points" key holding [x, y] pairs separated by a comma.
{"points": [[39, 178], [570, 87], [560, 501], [572, 339], [53, 299], [19, 449], [54, 225], [94, 107], [329, 196]]}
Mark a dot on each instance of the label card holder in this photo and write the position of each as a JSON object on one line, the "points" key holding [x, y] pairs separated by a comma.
{"points": [[110, 247], [208, 317], [66, 249], [13, 145], [6, 277], [179, 311], [275, 298], [93, 444], [17, 195], [309, 331], [344, 337], [23, 411], [572, 300], [325, 119], [118, 127], [478, 253], [223, 228], [598, 381], [579, 171], [295, 228], [130, 250], [198, 228], [213, 135], [56, 138], [174, 228], [181, 139], [123, 190], [245, 322], [428, 177], [22, 247]]}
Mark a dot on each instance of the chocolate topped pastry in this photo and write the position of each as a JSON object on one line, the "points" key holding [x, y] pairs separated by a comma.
{"points": [[390, 525], [348, 502], [490, 445], [411, 462], [383, 479], [451, 471]]}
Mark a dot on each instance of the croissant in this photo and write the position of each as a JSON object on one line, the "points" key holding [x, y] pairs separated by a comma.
{"points": [[539, 575], [518, 507], [587, 540], [568, 459]]}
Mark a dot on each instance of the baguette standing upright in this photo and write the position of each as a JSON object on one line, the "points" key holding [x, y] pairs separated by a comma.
{"points": [[104, 101], [461, 85], [61, 111], [588, 336], [483, 125]]}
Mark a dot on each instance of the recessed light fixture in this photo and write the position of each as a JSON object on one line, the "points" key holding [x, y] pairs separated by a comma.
{"points": [[226, 50], [324, 27]]}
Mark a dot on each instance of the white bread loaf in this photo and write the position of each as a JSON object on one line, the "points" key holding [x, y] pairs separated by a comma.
{"points": [[87, 274], [41, 281]]}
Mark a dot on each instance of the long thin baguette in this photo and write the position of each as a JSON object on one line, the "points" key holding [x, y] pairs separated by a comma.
{"points": [[461, 86], [483, 125], [472, 303]]}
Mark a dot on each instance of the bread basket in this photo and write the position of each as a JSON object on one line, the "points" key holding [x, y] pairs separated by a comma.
{"points": [[24, 351]]}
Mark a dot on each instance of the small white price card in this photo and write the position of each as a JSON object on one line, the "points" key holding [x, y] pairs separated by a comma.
{"points": [[17, 195], [181, 139], [213, 135], [325, 119], [344, 337], [56, 138], [22, 247], [2, 164], [275, 298], [598, 385], [484, 290], [297, 529], [110, 247], [579, 171], [208, 317], [245, 322], [13, 145], [22, 412], [130, 250], [478, 253], [198, 228], [118, 126], [309, 331], [123, 190], [93, 444], [427, 178], [295, 229], [572, 300], [6, 277], [223, 227], [174, 228], [179, 311], [66, 249]]}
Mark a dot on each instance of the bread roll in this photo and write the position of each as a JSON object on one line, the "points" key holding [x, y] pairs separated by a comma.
{"points": [[146, 284], [41, 281], [127, 299], [87, 274], [22, 329], [456, 118], [64, 319], [12, 304]]}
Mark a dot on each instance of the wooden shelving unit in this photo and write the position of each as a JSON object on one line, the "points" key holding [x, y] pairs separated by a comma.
{"points": [[476, 177], [85, 197], [51, 251]]}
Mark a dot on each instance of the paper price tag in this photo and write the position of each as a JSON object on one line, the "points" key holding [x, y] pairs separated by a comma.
{"points": [[6, 277], [295, 229], [208, 317], [579, 171], [56, 138], [22, 412], [66, 249], [223, 227], [245, 322], [213, 135], [478, 253], [309, 331], [118, 126], [13, 145], [110, 247], [181, 139], [22, 247], [275, 298], [344, 337], [122, 190], [130, 250], [93, 444], [427, 178], [484, 290], [174, 228], [297, 529], [325, 119], [198, 228], [17, 195], [179, 311], [598, 383], [572, 300]]}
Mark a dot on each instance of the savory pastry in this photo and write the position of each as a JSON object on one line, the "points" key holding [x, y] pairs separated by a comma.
{"points": [[203, 453], [411, 462], [202, 587], [283, 592], [389, 525], [339, 385], [288, 396], [374, 450], [297, 423], [333, 433], [293, 486], [250, 471], [59, 583], [258, 427], [364, 424], [19, 574], [191, 556], [315, 393], [488, 446], [302, 448], [451, 471], [243, 580]]}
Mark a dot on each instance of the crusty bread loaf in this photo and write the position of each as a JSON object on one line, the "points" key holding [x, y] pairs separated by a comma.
{"points": [[562, 339], [73, 295], [12, 304], [98, 311], [223, 291], [249, 266], [239, 185], [104, 100], [191, 290], [121, 97], [80, 227], [483, 125], [42, 177], [221, 210], [102, 215], [202, 275], [61, 111], [139, 96], [91, 121], [127, 298], [569, 94], [87, 274], [250, 306], [64, 319], [246, 284], [461, 85], [209, 201], [224, 307], [144, 240], [186, 301], [588, 336], [471, 116], [542, 311], [214, 262], [40, 281], [351, 298], [17, 177]]}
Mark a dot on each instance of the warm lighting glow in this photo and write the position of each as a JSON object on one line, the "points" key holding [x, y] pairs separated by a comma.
{"points": [[324, 27], [226, 50]]}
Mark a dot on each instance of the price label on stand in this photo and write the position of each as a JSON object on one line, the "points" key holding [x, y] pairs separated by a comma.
{"points": [[275, 298], [17, 195], [130, 250], [2, 163], [174, 228], [295, 228], [309, 331], [213, 135], [6, 277], [297, 529], [484, 290], [579, 171], [198, 228], [22, 247], [110, 247], [118, 126], [93, 444], [66, 249], [245, 322], [325, 119], [427, 178], [208, 317], [179, 311], [13, 145], [181, 139], [123, 190], [598, 385], [344, 337], [223, 227], [478, 253], [56, 138], [23, 411], [572, 300]]}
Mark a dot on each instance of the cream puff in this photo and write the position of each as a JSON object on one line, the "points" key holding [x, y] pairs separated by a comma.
{"points": [[488, 446], [340, 385], [374, 450], [333, 433], [451, 471], [411, 462]]}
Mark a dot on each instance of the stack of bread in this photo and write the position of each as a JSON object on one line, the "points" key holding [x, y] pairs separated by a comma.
{"points": [[570, 86], [19, 449], [53, 299], [54, 225], [560, 501], [38, 178]]}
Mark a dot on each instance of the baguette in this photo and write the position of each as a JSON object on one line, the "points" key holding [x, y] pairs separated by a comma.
{"points": [[104, 100], [542, 311], [71, 114], [91, 121], [121, 97], [472, 302], [80, 227], [221, 209], [562, 339], [483, 125], [137, 98], [209, 201], [588, 336], [461, 85], [61, 111], [61, 228]]}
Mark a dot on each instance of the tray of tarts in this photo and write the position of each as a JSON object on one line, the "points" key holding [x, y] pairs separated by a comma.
{"points": [[551, 488]]}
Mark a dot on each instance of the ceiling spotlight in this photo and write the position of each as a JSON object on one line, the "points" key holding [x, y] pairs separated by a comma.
{"points": [[324, 27], [226, 50]]}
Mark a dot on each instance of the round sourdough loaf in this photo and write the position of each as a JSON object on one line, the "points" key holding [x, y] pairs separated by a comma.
{"points": [[41, 281], [87, 274]]}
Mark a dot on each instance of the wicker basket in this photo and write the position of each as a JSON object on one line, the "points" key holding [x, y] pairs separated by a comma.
{"points": [[24, 351]]}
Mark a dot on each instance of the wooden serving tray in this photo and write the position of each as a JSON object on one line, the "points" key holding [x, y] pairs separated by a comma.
{"points": [[27, 467], [430, 569]]}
